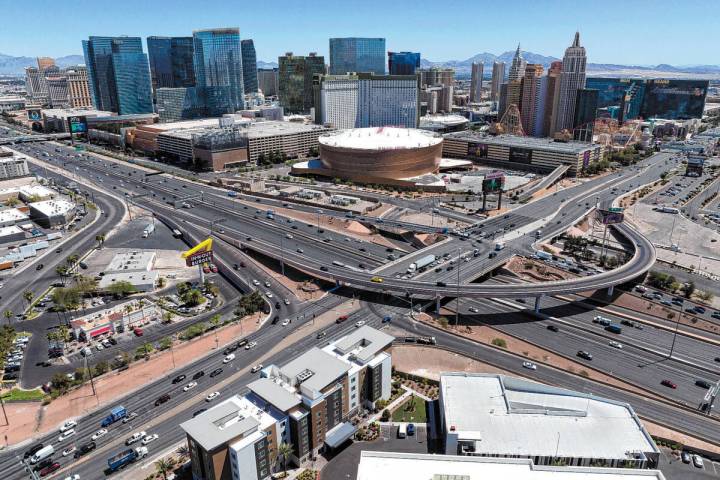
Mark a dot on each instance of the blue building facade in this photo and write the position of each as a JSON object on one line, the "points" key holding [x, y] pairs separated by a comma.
{"points": [[218, 69], [118, 74], [357, 55], [171, 62], [403, 63], [249, 66]]}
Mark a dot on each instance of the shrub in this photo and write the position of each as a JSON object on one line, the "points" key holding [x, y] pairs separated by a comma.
{"points": [[499, 342]]}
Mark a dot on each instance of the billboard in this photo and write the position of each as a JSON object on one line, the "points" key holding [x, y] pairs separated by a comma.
{"points": [[477, 150], [34, 115], [674, 99], [608, 217], [493, 182], [520, 155], [199, 258], [78, 124]]}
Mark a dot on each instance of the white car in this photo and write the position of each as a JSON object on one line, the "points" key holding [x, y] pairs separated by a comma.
{"points": [[70, 424], [256, 368], [129, 417], [99, 347], [359, 323], [73, 477], [211, 396], [229, 358], [287, 302], [67, 434], [285, 322], [615, 344], [256, 283], [135, 437], [529, 365], [267, 284], [191, 385], [249, 346], [474, 309], [269, 294], [68, 451], [150, 438], [100, 433], [697, 461]]}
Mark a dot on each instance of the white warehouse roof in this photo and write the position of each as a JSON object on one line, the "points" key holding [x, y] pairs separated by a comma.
{"points": [[380, 138], [50, 208]]}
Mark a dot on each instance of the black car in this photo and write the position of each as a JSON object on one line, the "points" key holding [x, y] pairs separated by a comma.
{"points": [[178, 379], [164, 398], [553, 328], [324, 268], [441, 284], [277, 305], [85, 449], [9, 376], [40, 266], [199, 374], [43, 464], [703, 383], [112, 340], [198, 412], [32, 451], [216, 372], [584, 354], [229, 350]]}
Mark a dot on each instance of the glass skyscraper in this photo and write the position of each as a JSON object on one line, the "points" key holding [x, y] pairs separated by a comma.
{"points": [[357, 55], [249, 65], [118, 74], [295, 81], [218, 69], [171, 62], [403, 63]]}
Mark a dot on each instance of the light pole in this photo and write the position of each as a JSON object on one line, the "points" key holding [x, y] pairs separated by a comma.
{"points": [[319, 211], [677, 325], [457, 298], [282, 256]]}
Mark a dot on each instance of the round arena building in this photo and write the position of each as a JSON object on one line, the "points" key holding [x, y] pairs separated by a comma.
{"points": [[370, 154]]}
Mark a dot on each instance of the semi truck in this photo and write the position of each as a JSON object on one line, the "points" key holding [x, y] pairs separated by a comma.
{"points": [[116, 414], [614, 328], [126, 457], [420, 264], [148, 230]]}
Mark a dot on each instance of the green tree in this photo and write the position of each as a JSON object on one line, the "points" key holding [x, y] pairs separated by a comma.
{"points": [[193, 297], [284, 451], [8, 314], [100, 238], [121, 289], [62, 271], [28, 297], [163, 467], [688, 289]]}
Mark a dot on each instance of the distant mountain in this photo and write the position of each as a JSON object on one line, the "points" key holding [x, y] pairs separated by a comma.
{"points": [[10, 65], [261, 64], [70, 60]]}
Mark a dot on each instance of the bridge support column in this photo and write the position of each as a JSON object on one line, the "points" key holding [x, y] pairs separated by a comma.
{"points": [[611, 289], [437, 305], [537, 303]]}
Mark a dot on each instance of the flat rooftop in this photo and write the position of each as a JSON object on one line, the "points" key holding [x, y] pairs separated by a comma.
{"points": [[133, 261], [507, 415], [11, 230], [52, 207], [276, 393], [380, 138], [314, 369], [135, 278], [221, 424], [417, 466], [362, 344], [12, 215], [71, 112], [546, 144], [253, 129]]}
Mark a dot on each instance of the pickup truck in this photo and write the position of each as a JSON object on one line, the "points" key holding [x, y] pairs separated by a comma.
{"points": [[135, 437]]}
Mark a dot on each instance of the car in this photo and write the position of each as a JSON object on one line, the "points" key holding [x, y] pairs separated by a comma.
{"points": [[129, 417], [216, 372], [256, 368], [320, 335], [553, 328], [387, 319], [703, 383], [69, 425], [179, 379], [135, 437], [615, 344], [150, 438], [300, 250], [138, 332], [229, 358], [411, 429], [49, 469], [69, 450], [66, 434], [269, 294], [685, 457], [199, 374], [584, 354], [376, 280], [267, 284], [699, 309], [529, 365], [40, 266], [285, 322], [697, 461], [198, 412], [162, 399], [189, 386], [669, 384], [100, 433], [250, 345], [359, 323], [286, 301], [474, 310], [256, 283]]}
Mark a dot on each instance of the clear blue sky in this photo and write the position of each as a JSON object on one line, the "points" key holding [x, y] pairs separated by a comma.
{"points": [[680, 32]]}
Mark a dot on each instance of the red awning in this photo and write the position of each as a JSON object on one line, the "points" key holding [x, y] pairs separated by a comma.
{"points": [[100, 331]]}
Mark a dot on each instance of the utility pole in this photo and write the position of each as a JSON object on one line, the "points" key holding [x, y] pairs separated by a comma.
{"points": [[457, 299], [2, 403]]}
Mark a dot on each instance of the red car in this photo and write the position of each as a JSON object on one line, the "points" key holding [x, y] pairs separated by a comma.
{"points": [[138, 332], [669, 384], [341, 319], [213, 268], [49, 469]]}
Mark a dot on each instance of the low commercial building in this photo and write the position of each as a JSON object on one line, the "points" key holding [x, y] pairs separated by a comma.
{"points": [[490, 415], [142, 281], [9, 104], [528, 153], [52, 213], [56, 119], [12, 166], [132, 261], [11, 234], [419, 466], [30, 193], [444, 123], [118, 318], [306, 403], [249, 185], [11, 216]]}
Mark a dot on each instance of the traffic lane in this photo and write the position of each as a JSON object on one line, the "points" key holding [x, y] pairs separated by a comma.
{"points": [[691, 423]]}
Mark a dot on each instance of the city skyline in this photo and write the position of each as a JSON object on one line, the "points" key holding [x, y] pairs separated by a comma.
{"points": [[274, 35]]}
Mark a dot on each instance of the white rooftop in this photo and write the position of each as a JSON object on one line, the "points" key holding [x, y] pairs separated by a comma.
{"points": [[447, 120], [39, 190], [52, 207], [380, 138], [11, 230], [12, 215], [510, 416], [417, 466], [132, 261], [314, 369]]}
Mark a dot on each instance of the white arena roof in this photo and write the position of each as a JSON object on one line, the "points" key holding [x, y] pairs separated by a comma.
{"points": [[510, 416], [380, 138], [417, 466]]}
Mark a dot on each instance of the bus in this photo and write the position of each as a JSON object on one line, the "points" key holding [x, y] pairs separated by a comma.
{"points": [[176, 233]]}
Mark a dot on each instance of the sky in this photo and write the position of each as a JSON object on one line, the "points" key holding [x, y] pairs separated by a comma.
{"points": [[630, 32]]}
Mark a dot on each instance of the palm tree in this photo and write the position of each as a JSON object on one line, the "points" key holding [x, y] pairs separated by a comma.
{"points": [[162, 467], [183, 451], [62, 271], [284, 451], [168, 317], [28, 296], [8, 314], [100, 238]]}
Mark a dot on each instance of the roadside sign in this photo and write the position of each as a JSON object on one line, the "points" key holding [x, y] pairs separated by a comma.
{"points": [[199, 258]]}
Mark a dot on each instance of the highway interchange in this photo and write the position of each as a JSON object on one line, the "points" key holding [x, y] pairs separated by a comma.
{"points": [[240, 223]]}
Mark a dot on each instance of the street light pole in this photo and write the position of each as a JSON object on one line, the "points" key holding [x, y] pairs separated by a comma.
{"points": [[677, 325], [457, 298], [282, 256]]}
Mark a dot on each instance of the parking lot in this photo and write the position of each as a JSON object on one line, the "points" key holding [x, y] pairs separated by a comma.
{"points": [[674, 469]]}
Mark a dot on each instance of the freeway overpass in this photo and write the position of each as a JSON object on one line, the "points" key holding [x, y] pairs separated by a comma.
{"points": [[49, 137]]}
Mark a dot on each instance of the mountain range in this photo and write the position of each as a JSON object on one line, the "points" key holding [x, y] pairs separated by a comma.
{"points": [[10, 65]]}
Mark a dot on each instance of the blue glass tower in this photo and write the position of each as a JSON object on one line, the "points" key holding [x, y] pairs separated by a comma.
{"points": [[171, 62], [403, 63], [118, 74], [249, 66], [218, 69], [357, 55]]}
